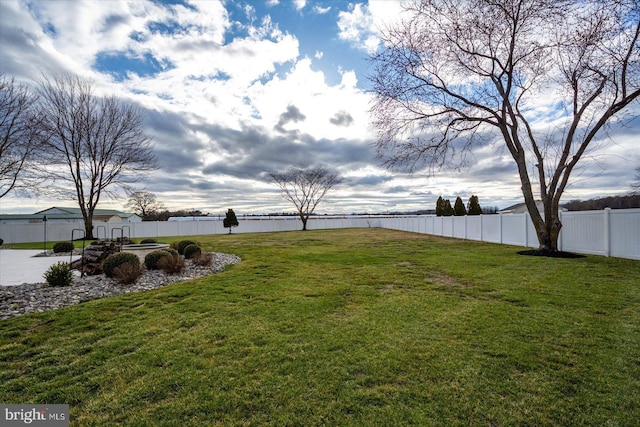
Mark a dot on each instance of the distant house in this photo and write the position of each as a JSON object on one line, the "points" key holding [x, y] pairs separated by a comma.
{"points": [[522, 208], [69, 215]]}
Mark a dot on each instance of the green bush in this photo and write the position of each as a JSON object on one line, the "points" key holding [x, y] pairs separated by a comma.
{"points": [[191, 251], [116, 260], [63, 247], [59, 274], [152, 258], [172, 251], [148, 241], [183, 244]]}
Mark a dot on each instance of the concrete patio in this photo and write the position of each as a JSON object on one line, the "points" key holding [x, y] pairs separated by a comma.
{"points": [[21, 266]]}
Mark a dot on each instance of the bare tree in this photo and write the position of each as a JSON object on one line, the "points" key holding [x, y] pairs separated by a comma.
{"points": [[19, 137], [144, 204], [305, 187], [635, 186], [460, 72], [95, 144]]}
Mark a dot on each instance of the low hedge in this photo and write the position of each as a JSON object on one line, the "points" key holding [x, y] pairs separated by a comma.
{"points": [[63, 247], [152, 258], [116, 260], [191, 251]]}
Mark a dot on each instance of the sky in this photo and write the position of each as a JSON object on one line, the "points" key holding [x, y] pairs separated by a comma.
{"points": [[234, 90]]}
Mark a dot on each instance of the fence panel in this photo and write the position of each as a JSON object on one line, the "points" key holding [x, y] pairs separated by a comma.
{"points": [[474, 227], [492, 228], [624, 233], [609, 232], [583, 232]]}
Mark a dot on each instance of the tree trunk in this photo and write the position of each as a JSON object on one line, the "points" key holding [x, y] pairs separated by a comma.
{"points": [[88, 226], [548, 230], [304, 222]]}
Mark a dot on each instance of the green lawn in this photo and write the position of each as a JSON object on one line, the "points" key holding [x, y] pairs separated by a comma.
{"points": [[346, 327]]}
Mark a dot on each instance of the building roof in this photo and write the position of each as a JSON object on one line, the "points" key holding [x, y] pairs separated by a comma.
{"points": [[77, 211], [66, 213]]}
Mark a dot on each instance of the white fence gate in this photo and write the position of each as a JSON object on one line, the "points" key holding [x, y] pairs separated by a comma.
{"points": [[611, 232]]}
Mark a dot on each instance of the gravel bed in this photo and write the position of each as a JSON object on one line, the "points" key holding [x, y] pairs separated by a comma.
{"points": [[39, 297]]}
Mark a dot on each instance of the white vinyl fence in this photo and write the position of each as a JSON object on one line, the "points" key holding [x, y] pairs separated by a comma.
{"points": [[609, 232]]}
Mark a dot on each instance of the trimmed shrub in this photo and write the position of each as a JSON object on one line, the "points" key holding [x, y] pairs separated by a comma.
{"points": [[116, 260], [152, 258], [191, 251], [127, 273], [203, 259], [172, 251], [183, 244], [63, 247], [148, 241], [59, 274], [171, 264]]}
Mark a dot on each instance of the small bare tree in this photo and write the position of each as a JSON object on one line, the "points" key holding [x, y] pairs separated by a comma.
{"points": [[19, 137], [635, 186], [94, 144], [144, 204], [305, 187], [460, 72]]}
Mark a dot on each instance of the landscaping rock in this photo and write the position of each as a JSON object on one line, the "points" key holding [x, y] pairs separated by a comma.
{"points": [[39, 297]]}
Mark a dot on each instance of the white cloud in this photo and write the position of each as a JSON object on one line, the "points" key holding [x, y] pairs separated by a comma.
{"points": [[321, 10], [318, 55], [357, 27], [299, 4]]}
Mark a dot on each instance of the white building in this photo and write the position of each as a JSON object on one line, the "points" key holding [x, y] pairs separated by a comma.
{"points": [[69, 215]]}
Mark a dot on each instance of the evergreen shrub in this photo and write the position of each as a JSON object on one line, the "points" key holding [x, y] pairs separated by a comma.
{"points": [[152, 258], [191, 251], [59, 274], [116, 260], [63, 247], [183, 244]]}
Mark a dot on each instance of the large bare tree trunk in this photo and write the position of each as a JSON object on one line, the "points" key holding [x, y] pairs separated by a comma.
{"points": [[456, 73], [94, 144]]}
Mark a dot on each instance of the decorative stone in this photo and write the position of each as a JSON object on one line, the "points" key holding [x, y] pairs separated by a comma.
{"points": [[38, 297]]}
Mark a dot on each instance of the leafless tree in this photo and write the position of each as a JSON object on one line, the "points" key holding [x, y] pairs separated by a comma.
{"points": [[635, 186], [305, 187], [144, 204], [19, 137], [95, 144], [455, 73]]}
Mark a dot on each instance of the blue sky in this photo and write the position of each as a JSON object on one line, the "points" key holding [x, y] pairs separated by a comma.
{"points": [[237, 89]]}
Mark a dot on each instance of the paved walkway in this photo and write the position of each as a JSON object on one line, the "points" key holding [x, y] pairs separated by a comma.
{"points": [[20, 266]]}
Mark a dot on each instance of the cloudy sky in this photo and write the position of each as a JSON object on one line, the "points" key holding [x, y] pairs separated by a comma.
{"points": [[234, 90]]}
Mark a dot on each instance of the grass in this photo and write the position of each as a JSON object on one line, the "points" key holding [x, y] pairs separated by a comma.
{"points": [[346, 327]]}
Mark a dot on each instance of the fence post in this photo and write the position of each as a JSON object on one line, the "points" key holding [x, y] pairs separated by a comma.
{"points": [[560, 233], [607, 232]]}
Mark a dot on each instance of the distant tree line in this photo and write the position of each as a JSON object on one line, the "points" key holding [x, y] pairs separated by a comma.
{"points": [[614, 202]]}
